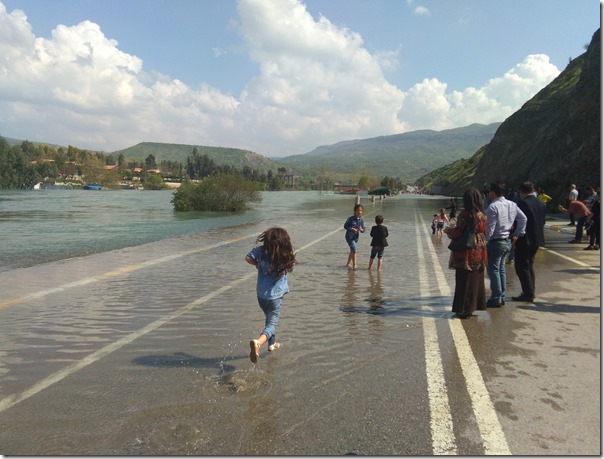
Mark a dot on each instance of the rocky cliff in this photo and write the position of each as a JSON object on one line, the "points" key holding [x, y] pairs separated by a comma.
{"points": [[553, 140]]}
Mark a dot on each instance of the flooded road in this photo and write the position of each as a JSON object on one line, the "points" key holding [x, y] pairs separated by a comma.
{"points": [[144, 350]]}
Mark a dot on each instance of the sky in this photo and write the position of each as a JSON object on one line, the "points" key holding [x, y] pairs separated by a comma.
{"points": [[278, 77]]}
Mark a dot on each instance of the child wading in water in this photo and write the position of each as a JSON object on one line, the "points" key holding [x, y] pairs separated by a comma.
{"points": [[353, 226], [441, 219], [378, 234], [273, 259]]}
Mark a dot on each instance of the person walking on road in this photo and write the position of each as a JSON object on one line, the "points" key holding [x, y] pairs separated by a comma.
{"points": [[379, 234], [273, 259], [526, 246], [353, 226], [501, 215], [469, 264]]}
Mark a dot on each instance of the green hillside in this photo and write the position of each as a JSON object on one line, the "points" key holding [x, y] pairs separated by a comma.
{"points": [[553, 140], [178, 152], [408, 156]]}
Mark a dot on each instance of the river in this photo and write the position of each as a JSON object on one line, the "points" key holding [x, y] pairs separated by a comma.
{"points": [[50, 225]]}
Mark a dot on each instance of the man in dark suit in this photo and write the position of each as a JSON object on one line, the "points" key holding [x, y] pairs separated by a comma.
{"points": [[526, 246]]}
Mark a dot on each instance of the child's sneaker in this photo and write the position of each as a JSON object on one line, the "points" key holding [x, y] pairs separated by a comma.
{"points": [[273, 347]]}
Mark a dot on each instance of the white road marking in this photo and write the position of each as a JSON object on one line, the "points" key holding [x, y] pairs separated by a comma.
{"points": [[95, 356], [12, 400], [441, 422], [118, 272], [493, 438], [580, 263]]}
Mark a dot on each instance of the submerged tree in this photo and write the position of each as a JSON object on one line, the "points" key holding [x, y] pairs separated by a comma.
{"points": [[220, 192]]}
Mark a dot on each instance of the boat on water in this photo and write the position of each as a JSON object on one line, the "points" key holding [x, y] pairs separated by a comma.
{"points": [[52, 186], [92, 187]]}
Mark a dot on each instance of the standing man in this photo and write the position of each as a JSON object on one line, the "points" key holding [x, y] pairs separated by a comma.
{"points": [[591, 197], [501, 215], [573, 195], [526, 246]]}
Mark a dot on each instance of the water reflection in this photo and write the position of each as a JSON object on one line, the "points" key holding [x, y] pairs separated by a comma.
{"points": [[350, 296], [376, 293]]}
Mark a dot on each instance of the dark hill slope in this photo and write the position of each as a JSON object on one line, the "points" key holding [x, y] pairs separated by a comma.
{"points": [[553, 140]]}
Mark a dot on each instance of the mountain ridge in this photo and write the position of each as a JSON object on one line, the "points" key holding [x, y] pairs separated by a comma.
{"points": [[405, 155]]}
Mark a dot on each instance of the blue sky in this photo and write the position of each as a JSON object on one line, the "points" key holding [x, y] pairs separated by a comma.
{"points": [[278, 77]]}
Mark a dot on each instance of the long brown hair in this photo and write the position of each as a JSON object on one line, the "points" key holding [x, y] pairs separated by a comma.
{"points": [[472, 202], [279, 250]]}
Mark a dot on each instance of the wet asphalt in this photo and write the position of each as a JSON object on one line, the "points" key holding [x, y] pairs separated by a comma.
{"points": [[144, 351]]}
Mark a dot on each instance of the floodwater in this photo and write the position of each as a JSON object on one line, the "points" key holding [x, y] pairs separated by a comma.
{"points": [[139, 345], [144, 349]]}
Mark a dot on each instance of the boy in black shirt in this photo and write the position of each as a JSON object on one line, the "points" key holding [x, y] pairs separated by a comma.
{"points": [[379, 233]]}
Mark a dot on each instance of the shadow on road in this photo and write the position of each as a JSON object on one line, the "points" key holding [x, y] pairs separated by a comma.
{"points": [[181, 359], [559, 307]]}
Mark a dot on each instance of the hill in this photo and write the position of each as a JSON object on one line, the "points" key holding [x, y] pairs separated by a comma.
{"points": [[553, 140], [179, 153], [408, 155]]}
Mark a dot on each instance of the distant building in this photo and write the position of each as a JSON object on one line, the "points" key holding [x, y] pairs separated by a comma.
{"points": [[287, 178]]}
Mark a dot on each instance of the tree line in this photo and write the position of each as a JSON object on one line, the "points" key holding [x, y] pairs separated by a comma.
{"points": [[24, 165]]}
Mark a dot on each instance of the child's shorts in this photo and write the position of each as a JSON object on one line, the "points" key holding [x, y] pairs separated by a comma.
{"points": [[440, 225], [377, 250], [352, 244]]}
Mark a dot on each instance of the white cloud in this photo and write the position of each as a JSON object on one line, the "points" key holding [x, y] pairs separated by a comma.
{"points": [[421, 11], [316, 84], [427, 105], [418, 10]]}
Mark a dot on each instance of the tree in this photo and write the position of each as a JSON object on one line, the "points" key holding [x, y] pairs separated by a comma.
{"points": [[218, 193], [150, 162], [16, 172], [363, 181], [154, 182], [92, 170], [121, 162], [29, 150]]}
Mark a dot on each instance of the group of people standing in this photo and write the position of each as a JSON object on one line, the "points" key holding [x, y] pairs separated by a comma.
{"points": [[584, 215], [503, 225], [492, 233]]}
